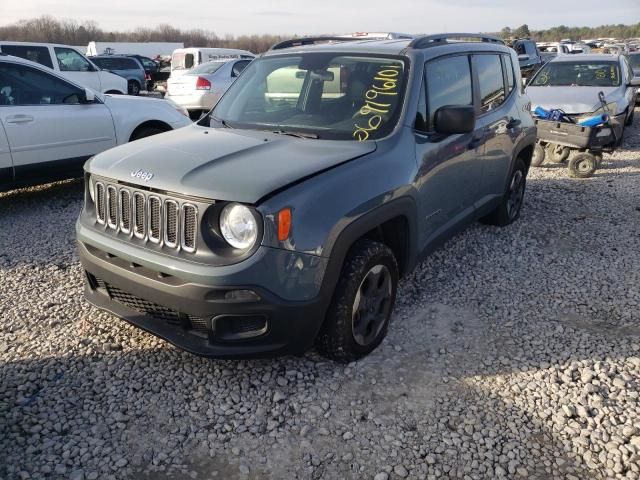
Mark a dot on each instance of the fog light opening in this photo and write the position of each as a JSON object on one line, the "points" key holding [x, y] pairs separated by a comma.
{"points": [[241, 296]]}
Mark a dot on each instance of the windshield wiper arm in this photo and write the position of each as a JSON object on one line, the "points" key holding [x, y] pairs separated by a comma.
{"points": [[221, 122], [297, 134]]}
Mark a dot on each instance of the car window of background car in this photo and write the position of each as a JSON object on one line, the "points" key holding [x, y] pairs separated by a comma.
{"points": [[182, 61], [104, 63], [448, 83], [634, 61], [490, 80], [129, 64], [508, 68], [35, 54], [71, 61], [207, 68], [593, 74], [23, 85], [239, 67]]}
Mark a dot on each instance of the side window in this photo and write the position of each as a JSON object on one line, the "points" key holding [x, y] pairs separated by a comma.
{"points": [[23, 85], [448, 83], [129, 64], [490, 79], [238, 68], [35, 54], [188, 60], [71, 61], [519, 48], [507, 65]]}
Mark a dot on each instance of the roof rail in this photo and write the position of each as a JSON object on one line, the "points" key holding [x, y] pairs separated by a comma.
{"points": [[298, 42], [426, 41]]}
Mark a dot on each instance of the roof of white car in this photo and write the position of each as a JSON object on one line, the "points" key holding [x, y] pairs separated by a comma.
{"points": [[36, 44], [586, 57]]}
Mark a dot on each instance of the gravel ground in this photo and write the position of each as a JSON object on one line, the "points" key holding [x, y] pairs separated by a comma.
{"points": [[514, 353]]}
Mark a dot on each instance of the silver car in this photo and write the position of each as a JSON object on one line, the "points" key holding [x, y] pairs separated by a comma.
{"points": [[572, 83], [200, 89]]}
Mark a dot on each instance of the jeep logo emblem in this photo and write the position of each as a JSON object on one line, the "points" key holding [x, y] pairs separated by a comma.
{"points": [[142, 175]]}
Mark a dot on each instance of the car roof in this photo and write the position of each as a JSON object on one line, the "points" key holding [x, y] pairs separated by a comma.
{"points": [[37, 44], [387, 47], [39, 66], [587, 57]]}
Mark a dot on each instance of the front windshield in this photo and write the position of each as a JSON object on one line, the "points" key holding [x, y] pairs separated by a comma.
{"points": [[634, 61], [339, 97], [206, 68], [578, 74]]}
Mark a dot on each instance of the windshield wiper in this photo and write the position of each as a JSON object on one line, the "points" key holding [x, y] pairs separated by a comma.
{"points": [[296, 134], [220, 121]]}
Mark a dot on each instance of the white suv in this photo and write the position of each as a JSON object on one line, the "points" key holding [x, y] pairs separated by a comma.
{"points": [[49, 126], [68, 62]]}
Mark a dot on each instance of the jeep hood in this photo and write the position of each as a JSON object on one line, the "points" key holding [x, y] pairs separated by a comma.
{"points": [[572, 100], [223, 164]]}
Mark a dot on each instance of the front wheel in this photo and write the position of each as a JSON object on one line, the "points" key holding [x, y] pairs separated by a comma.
{"points": [[508, 211], [358, 317], [583, 165]]}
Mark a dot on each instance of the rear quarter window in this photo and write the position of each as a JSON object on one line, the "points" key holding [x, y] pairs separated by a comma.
{"points": [[39, 55]]}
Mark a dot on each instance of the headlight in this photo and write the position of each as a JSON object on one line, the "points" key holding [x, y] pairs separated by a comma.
{"points": [[238, 226]]}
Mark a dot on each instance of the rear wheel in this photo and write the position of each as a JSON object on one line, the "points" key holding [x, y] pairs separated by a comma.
{"points": [[133, 87], [511, 204], [538, 155], [558, 153], [358, 316], [583, 165]]}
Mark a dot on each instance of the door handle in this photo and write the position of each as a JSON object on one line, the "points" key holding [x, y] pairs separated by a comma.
{"points": [[19, 119], [513, 123]]}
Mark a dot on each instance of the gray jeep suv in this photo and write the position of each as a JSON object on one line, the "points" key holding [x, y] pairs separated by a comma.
{"points": [[288, 213]]}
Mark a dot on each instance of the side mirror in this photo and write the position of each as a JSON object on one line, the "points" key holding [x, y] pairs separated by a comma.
{"points": [[452, 119], [89, 96], [523, 57]]}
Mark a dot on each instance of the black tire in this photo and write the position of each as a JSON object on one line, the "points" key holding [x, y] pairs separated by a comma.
{"points": [[133, 87], [511, 204], [583, 165], [346, 335], [629, 121], [557, 153], [538, 155], [144, 132]]}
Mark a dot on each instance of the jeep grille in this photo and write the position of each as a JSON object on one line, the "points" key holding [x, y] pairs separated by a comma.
{"points": [[164, 221]]}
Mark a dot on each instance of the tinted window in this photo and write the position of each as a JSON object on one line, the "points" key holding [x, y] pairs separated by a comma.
{"points": [[35, 54], [634, 61], [104, 63], [239, 67], [489, 70], [128, 64], [71, 61], [508, 68], [448, 83], [207, 68], [22, 85]]}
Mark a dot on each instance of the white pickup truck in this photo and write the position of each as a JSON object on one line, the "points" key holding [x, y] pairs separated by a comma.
{"points": [[69, 63]]}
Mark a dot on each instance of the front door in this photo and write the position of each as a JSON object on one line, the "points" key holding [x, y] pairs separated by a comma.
{"points": [[49, 130], [77, 68], [447, 165]]}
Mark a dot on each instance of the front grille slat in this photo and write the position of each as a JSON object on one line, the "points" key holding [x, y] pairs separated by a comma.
{"points": [[150, 217], [189, 227]]}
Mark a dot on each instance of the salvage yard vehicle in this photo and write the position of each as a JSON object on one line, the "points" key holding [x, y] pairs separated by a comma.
{"points": [[200, 88], [529, 57], [184, 59], [572, 84], [281, 220], [128, 68], [49, 126], [69, 63]]}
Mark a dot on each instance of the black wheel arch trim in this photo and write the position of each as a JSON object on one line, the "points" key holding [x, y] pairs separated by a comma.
{"points": [[338, 246]]}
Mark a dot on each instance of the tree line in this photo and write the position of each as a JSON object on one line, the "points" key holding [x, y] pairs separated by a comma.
{"points": [[47, 29], [555, 34], [72, 32]]}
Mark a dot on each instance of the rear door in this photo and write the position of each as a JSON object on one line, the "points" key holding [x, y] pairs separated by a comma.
{"points": [[446, 178], [498, 123], [48, 129], [77, 68]]}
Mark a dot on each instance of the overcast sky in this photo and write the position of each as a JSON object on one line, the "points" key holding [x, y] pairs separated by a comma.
{"points": [[329, 16]]}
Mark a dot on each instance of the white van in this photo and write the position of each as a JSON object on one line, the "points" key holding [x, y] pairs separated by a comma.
{"points": [[184, 59], [68, 62]]}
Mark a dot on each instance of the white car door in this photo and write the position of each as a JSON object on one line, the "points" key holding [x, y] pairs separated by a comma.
{"points": [[77, 68], [49, 128]]}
